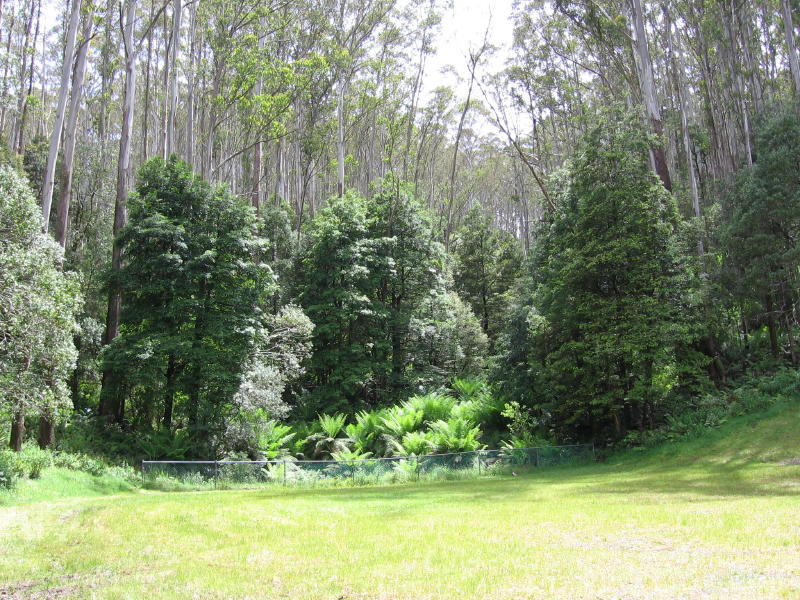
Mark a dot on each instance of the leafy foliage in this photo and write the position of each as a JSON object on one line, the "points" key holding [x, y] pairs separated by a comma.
{"points": [[414, 443], [38, 304], [373, 281], [488, 262], [611, 322], [275, 438], [193, 289], [456, 435]]}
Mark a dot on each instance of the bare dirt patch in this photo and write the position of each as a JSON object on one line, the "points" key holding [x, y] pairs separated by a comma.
{"points": [[42, 590]]}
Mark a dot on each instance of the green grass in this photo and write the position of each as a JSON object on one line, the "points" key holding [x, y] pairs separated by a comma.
{"points": [[717, 517], [58, 483]]}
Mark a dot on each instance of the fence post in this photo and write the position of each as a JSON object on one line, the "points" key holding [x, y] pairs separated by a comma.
{"points": [[142, 473], [416, 467], [536, 464], [216, 473], [284, 471], [353, 472], [479, 463]]}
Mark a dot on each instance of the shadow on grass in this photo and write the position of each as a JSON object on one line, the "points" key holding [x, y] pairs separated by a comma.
{"points": [[706, 482]]}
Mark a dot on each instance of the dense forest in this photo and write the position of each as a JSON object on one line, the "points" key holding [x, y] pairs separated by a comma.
{"points": [[219, 217]]}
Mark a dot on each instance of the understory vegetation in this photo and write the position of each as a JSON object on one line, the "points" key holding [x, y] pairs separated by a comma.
{"points": [[411, 434], [236, 342], [288, 245]]}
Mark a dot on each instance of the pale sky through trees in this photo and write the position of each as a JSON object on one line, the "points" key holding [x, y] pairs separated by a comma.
{"points": [[463, 28]]}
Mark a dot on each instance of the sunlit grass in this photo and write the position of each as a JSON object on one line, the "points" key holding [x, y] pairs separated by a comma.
{"points": [[63, 483], [712, 518]]}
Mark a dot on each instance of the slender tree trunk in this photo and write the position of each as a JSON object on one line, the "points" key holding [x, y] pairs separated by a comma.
{"points": [[474, 59], [47, 431], [55, 138], [112, 405], [70, 134], [17, 132], [31, 73], [412, 112], [683, 105], [729, 23], [146, 99], [169, 396], [746, 18], [190, 88], [772, 327], [647, 85], [167, 39], [791, 47], [256, 195], [17, 431], [109, 50], [173, 81], [4, 85], [340, 139], [2, 5]]}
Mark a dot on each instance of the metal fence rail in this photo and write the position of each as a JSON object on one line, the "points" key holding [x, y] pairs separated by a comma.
{"points": [[182, 474]]}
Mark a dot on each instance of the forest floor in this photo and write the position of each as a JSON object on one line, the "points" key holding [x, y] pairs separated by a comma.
{"points": [[717, 517]]}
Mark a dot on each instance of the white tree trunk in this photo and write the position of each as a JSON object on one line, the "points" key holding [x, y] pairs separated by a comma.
{"points": [[340, 139], [70, 134], [55, 138], [190, 89], [173, 82], [683, 99], [791, 48], [647, 85], [123, 164]]}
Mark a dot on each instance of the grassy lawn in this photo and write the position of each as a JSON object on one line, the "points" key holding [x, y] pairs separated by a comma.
{"points": [[718, 517]]}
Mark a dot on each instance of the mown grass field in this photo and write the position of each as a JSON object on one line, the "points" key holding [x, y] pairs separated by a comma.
{"points": [[718, 517]]}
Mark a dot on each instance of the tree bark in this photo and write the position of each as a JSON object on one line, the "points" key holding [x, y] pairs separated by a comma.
{"points": [[190, 88], [474, 59], [4, 85], [729, 23], [146, 99], [17, 133], [772, 327], [169, 396], [257, 150], [791, 47], [647, 85], [683, 105], [173, 81], [340, 139], [47, 431], [17, 431], [112, 405], [70, 136], [55, 137]]}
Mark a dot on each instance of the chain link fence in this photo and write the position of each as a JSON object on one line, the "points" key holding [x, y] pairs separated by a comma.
{"points": [[227, 474]]}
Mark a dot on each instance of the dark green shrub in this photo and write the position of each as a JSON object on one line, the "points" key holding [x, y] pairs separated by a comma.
{"points": [[8, 470], [79, 462], [165, 445], [34, 460]]}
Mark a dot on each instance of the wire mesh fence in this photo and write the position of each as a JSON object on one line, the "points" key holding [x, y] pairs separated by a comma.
{"points": [[226, 474]]}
